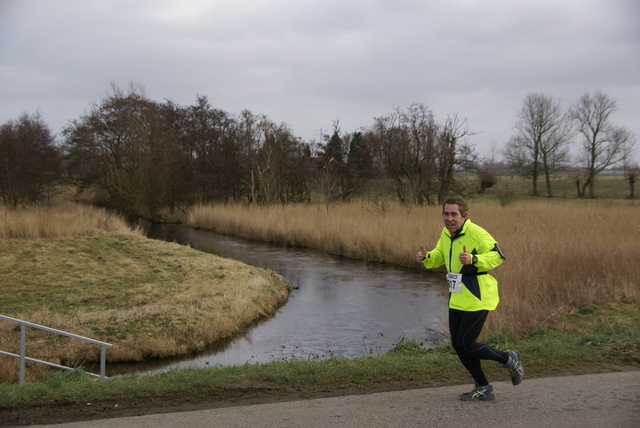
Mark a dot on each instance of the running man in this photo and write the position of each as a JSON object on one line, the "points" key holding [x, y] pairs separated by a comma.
{"points": [[469, 252]]}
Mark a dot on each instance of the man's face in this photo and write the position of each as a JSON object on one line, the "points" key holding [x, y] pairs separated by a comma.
{"points": [[452, 218]]}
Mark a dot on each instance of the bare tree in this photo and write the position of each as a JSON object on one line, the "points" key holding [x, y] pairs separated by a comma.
{"points": [[266, 173], [279, 168], [603, 143], [631, 170], [328, 184], [209, 137], [541, 145], [30, 162], [451, 153], [419, 155], [406, 140], [126, 149]]}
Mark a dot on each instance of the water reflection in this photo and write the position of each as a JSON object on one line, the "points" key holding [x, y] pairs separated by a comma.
{"points": [[341, 307]]}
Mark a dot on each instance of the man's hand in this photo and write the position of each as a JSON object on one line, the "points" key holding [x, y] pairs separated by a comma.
{"points": [[421, 254], [465, 257]]}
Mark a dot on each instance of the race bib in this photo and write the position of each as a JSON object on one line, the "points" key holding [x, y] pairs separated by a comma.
{"points": [[455, 282]]}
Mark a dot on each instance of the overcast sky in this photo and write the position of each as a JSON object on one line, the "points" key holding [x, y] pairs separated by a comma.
{"points": [[309, 63]]}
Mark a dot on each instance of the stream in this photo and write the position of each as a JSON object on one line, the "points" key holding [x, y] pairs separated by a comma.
{"points": [[340, 307]]}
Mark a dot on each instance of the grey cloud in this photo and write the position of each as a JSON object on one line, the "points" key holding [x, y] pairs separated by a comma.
{"points": [[311, 62]]}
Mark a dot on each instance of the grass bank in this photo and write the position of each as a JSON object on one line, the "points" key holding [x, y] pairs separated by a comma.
{"points": [[80, 270], [593, 340], [560, 255]]}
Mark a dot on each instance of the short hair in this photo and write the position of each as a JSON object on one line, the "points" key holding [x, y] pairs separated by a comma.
{"points": [[462, 205]]}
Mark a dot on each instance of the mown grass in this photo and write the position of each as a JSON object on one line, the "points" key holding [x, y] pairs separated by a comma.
{"points": [[593, 341]]}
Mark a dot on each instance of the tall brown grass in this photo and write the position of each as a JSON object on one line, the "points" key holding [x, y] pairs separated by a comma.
{"points": [[62, 220], [559, 255]]}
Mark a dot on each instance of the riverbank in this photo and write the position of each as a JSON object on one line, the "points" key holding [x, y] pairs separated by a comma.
{"points": [[149, 299]]}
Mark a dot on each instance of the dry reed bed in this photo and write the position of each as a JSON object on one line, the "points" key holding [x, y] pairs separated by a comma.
{"points": [[61, 221], [559, 255]]}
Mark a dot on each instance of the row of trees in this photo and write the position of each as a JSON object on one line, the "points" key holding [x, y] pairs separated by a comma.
{"points": [[142, 156], [545, 133]]}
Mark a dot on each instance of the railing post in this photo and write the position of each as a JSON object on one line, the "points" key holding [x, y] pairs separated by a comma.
{"points": [[103, 355], [23, 351]]}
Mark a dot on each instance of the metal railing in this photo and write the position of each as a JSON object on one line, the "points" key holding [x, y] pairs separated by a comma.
{"points": [[23, 347]]}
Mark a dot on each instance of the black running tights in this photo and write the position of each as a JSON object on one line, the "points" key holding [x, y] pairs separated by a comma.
{"points": [[465, 327]]}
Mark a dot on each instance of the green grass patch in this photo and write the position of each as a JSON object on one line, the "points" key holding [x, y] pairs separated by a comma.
{"points": [[598, 341], [562, 187]]}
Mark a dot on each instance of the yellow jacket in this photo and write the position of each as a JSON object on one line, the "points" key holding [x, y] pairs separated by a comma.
{"points": [[479, 289]]}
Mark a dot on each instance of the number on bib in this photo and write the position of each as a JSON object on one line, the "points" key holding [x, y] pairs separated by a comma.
{"points": [[455, 282]]}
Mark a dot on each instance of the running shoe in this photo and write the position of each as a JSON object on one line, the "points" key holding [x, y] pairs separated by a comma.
{"points": [[478, 393], [515, 367]]}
